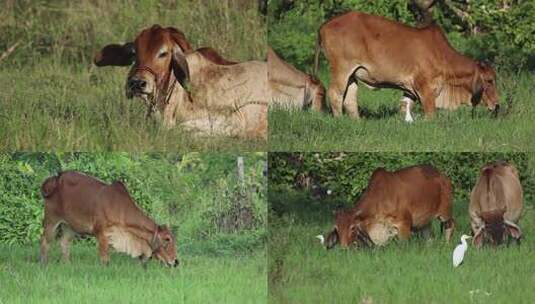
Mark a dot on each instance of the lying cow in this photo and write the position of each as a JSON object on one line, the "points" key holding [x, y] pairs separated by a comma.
{"points": [[86, 205], [202, 91], [386, 54], [496, 204], [394, 204], [291, 88]]}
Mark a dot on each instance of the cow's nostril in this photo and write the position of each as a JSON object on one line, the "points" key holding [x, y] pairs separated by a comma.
{"points": [[136, 83], [142, 84]]}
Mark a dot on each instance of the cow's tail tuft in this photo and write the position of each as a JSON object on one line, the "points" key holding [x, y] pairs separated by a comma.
{"points": [[49, 186], [317, 56]]}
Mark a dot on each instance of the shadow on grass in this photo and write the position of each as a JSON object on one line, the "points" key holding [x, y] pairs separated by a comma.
{"points": [[382, 112]]}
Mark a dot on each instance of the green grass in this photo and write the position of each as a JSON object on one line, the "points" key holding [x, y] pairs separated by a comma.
{"points": [[419, 271], [382, 128], [53, 98], [199, 278]]}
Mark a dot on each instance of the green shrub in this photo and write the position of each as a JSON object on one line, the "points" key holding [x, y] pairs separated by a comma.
{"points": [[347, 174]]}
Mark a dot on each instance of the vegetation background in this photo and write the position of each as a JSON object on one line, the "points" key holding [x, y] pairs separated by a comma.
{"points": [[500, 31], [53, 98], [300, 270], [219, 221]]}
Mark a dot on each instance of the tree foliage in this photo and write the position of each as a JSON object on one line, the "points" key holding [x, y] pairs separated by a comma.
{"points": [[347, 174]]}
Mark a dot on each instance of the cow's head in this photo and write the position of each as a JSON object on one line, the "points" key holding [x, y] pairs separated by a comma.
{"points": [[495, 229], [485, 87], [348, 230], [164, 246], [154, 56]]}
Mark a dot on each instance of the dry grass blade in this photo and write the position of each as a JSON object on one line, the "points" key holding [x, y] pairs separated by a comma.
{"points": [[9, 50]]}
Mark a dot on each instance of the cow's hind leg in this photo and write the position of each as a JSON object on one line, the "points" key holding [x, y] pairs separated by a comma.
{"points": [[447, 226], [49, 232], [68, 235], [103, 247], [427, 97]]}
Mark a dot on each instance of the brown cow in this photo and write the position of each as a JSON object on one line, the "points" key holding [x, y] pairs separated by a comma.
{"points": [[291, 88], [496, 204], [204, 92], [386, 54], [86, 205], [396, 203]]}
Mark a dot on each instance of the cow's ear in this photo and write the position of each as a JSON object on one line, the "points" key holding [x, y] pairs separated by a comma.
{"points": [[180, 39], [332, 239], [115, 55], [513, 229], [478, 237], [180, 66]]}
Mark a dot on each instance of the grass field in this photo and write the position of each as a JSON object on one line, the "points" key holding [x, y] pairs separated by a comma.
{"points": [[53, 98], [382, 128], [419, 271], [199, 278]]}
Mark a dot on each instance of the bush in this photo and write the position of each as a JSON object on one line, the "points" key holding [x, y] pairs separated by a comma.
{"points": [[347, 174]]}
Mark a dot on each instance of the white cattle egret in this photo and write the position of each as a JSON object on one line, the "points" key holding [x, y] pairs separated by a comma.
{"points": [[321, 238], [408, 102], [458, 253]]}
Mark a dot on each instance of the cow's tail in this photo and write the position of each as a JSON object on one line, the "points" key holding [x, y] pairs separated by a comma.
{"points": [[317, 56], [50, 186]]}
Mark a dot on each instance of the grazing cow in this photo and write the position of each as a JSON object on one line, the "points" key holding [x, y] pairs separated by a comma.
{"points": [[291, 88], [204, 92], [86, 205], [394, 204], [386, 54], [496, 204]]}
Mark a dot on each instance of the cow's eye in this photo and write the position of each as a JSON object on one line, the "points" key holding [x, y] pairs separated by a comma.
{"points": [[162, 55]]}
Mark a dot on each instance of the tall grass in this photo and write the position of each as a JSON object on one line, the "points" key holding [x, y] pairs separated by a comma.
{"points": [[198, 279], [51, 97]]}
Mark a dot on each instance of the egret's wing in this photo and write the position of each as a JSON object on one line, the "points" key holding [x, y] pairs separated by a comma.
{"points": [[458, 255]]}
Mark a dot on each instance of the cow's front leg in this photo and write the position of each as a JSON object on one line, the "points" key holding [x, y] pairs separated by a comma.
{"points": [[404, 225], [103, 246], [427, 97]]}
